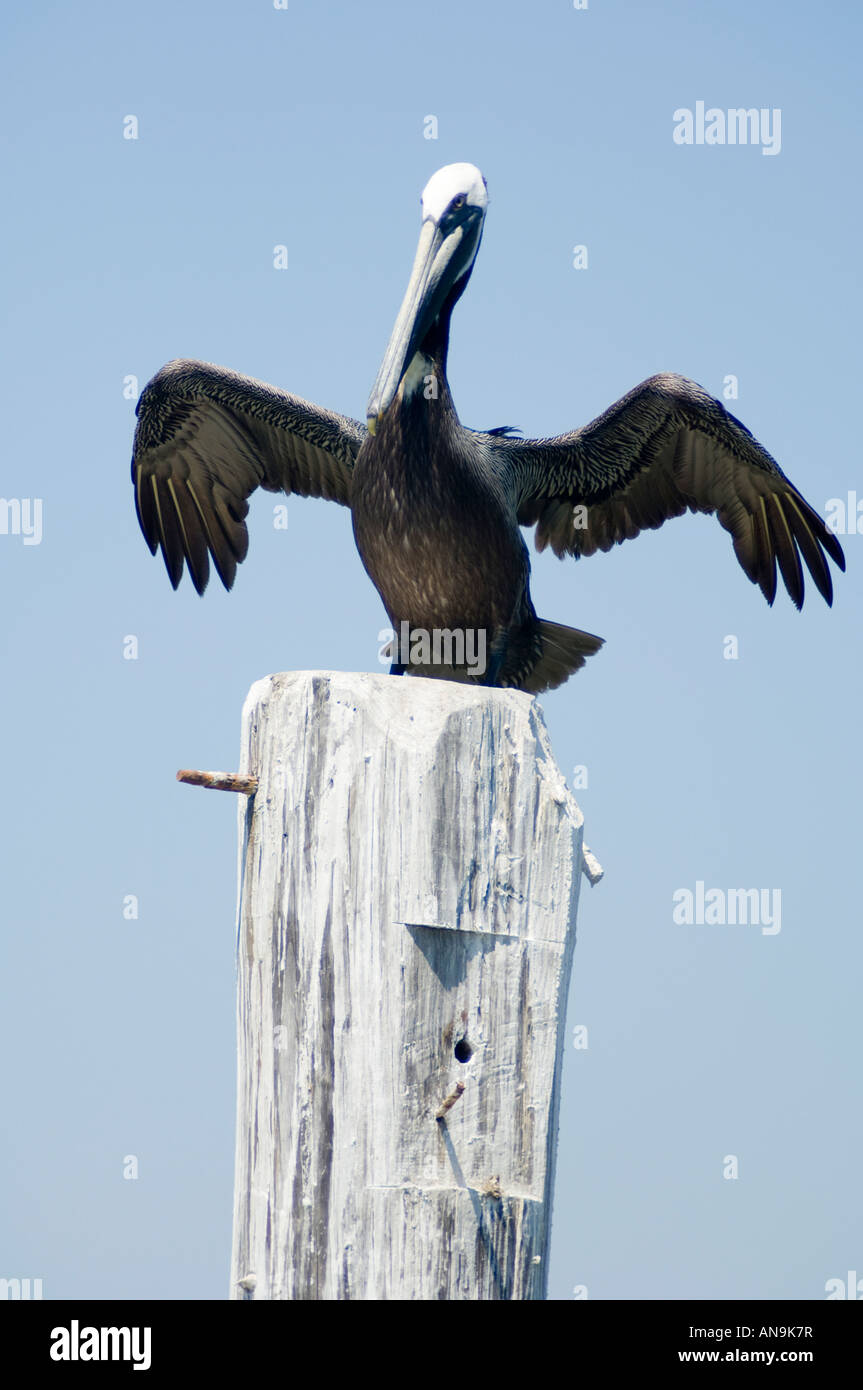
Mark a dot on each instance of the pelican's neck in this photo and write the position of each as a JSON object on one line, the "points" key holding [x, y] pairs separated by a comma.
{"points": [[424, 387], [426, 373]]}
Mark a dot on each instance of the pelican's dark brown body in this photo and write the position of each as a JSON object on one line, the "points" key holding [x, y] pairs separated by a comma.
{"points": [[435, 529]]}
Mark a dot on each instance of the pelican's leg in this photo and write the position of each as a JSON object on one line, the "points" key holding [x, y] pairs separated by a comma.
{"points": [[394, 651], [498, 655], [491, 675]]}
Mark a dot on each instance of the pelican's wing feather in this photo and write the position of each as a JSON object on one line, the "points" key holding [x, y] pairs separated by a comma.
{"points": [[206, 438], [665, 448]]}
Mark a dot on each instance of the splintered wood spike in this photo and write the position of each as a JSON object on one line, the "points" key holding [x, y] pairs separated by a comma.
{"points": [[219, 781]]}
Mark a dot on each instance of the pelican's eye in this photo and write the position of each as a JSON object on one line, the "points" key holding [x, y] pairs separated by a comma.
{"points": [[457, 202]]}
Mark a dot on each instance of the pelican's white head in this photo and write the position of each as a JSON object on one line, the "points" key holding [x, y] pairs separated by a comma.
{"points": [[451, 183]]}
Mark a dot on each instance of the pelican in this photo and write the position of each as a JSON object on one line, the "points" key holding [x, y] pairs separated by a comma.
{"points": [[437, 507]]}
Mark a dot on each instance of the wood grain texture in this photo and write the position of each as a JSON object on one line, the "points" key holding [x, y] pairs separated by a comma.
{"points": [[409, 876]]}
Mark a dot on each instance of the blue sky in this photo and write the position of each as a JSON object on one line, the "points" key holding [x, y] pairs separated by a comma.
{"points": [[305, 127]]}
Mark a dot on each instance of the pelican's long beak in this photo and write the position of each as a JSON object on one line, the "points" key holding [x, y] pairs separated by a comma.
{"points": [[440, 260]]}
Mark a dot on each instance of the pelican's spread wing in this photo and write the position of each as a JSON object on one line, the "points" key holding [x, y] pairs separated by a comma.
{"points": [[206, 438], [665, 448]]}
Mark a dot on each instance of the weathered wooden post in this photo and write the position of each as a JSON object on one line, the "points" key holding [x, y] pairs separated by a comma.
{"points": [[409, 875]]}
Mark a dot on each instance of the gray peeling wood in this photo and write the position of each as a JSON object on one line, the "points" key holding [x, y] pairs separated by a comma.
{"points": [[409, 876]]}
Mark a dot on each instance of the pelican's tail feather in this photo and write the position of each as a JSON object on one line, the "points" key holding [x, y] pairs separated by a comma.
{"points": [[564, 651]]}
